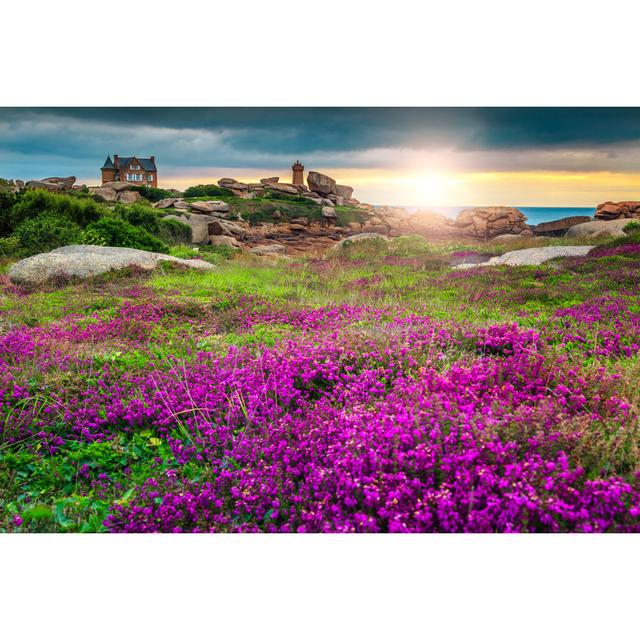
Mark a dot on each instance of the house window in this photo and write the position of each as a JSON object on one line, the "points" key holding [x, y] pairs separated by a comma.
{"points": [[149, 177], [135, 167]]}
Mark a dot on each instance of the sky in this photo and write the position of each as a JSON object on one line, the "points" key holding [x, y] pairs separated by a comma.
{"points": [[423, 157]]}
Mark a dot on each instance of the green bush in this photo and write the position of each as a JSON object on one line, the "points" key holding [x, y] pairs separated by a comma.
{"points": [[7, 201], [91, 236], [184, 251], [633, 228], [173, 231], [207, 190], [287, 197], [215, 253], [152, 194], [30, 203], [10, 246], [120, 233], [45, 232], [140, 216]]}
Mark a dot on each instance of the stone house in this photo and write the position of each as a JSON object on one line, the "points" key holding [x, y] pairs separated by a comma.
{"points": [[140, 171]]}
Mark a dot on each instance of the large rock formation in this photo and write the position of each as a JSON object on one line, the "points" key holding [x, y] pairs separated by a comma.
{"points": [[165, 203], [85, 261], [209, 206], [530, 257], [559, 227], [281, 187], [128, 197], [321, 184], [344, 191], [197, 223], [232, 184], [401, 223], [487, 222], [116, 194], [598, 228], [53, 184], [358, 238], [615, 210]]}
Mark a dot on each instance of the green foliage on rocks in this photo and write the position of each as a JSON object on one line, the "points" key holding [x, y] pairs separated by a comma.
{"points": [[45, 232], [31, 203], [152, 194], [173, 231], [120, 233], [207, 190]]}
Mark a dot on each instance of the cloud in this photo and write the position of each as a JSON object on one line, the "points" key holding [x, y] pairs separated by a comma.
{"points": [[39, 141]]}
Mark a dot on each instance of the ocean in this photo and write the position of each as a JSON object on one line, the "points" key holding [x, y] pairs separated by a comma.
{"points": [[535, 215]]}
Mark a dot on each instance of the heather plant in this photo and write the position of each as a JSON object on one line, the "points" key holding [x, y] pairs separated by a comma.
{"points": [[377, 393]]}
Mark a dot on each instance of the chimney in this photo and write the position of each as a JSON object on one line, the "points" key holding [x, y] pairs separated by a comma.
{"points": [[115, 159], [153, 159]]}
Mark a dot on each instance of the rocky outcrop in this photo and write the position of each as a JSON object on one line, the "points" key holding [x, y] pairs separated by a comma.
{"points": [[41, 184], [110, 194], [329, 215], [559, 227], [358, 238], [530, 257], [268, 181], [118, 185], [320, 183], [487, 222], [596, 228], [289, 189], [398, 222], [232, 184], [225, 241], [269, 249], [128, 197], [616, 210], [344, 191], [86, 261], [53, 184], [197, 223], [209, 206], [165, 203]]}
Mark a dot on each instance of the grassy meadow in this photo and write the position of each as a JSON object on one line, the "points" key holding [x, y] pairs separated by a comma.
{"points": [[369, 389]]}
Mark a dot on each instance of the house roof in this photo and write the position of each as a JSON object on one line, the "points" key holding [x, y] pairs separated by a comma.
{"points": [[108, 164], [146, 163]]}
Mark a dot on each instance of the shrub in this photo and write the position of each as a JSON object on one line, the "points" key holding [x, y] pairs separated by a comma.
{"points": [[10, 246], [215, 253], [633, 228], [173, 231], [92, 236], [120, 233], [152, 194], [7, 201], [183, 251], [278, 195], [140, 216], [207, 190], [31, 203], [45, 232]]}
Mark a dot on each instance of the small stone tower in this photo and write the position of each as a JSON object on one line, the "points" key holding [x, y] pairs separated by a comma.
{"points": [[298, 173]]}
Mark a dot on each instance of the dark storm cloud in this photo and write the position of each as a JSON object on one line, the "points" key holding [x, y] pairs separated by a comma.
{"points": [[43, 139]]}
